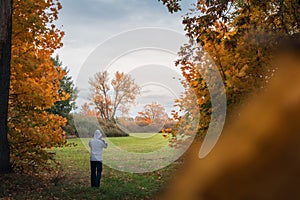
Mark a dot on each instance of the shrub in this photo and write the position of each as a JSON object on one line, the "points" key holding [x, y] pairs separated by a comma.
{"points": [[111, 129], [86, 126]]}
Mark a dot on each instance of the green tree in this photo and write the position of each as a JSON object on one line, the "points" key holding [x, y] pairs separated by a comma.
{"points": [[64, 107]]}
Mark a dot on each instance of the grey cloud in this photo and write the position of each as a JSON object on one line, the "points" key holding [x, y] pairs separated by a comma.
{"points": [[88, 23]]}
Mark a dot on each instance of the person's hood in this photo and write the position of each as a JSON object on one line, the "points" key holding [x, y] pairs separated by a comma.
{"points": [[98, 135]]}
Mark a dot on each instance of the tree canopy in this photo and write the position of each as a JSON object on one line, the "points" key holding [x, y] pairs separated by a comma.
{"points": [[35, 85], [240, 37], [153, 113], [112, 96]]}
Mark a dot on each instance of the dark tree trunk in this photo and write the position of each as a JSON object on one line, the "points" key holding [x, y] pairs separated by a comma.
{"points": [[5, 56]]}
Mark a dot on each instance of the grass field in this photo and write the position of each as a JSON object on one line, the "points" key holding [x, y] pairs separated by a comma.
{"points": [[74, 183], [140, 142]]}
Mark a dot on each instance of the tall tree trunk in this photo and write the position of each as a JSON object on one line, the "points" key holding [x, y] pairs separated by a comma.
{"points": [[5, 56]]}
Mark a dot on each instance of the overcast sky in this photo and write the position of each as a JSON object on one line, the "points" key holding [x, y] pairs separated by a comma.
{"points": [[88, 23]]}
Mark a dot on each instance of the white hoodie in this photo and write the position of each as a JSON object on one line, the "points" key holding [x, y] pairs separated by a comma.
{"points": [[97, 144]]}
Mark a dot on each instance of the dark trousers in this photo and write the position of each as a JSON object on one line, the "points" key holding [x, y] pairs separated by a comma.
{"points": [[96, 171]]}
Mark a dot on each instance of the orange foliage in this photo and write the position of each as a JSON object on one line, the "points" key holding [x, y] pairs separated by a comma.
{"points": [[108, 101], [143, 120], [34, 85], [85, 109], [239, 38], [153, 113]]}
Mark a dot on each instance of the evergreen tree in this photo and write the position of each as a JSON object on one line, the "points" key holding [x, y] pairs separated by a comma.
{"points": [[64, 107]]}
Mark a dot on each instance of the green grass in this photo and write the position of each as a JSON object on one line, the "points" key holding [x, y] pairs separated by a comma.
{"points": [[140, 142], [74, 181]]}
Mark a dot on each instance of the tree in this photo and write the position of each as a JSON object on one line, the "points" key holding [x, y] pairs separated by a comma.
{"points": [[85, 110], [173, 5], [88, 119], [240, 37], [153, 113], [35, 85], [108, 101], [242, 155], [5, 57], [64, 107]]}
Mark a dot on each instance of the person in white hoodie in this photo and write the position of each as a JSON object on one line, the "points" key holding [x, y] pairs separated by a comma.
{"points": [[96, 144]]}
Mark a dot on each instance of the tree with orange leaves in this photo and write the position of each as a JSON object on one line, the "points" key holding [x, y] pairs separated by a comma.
{"points": [[153, 113], [35, 84], [86, 110], [110, 97], [239, 36]]}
